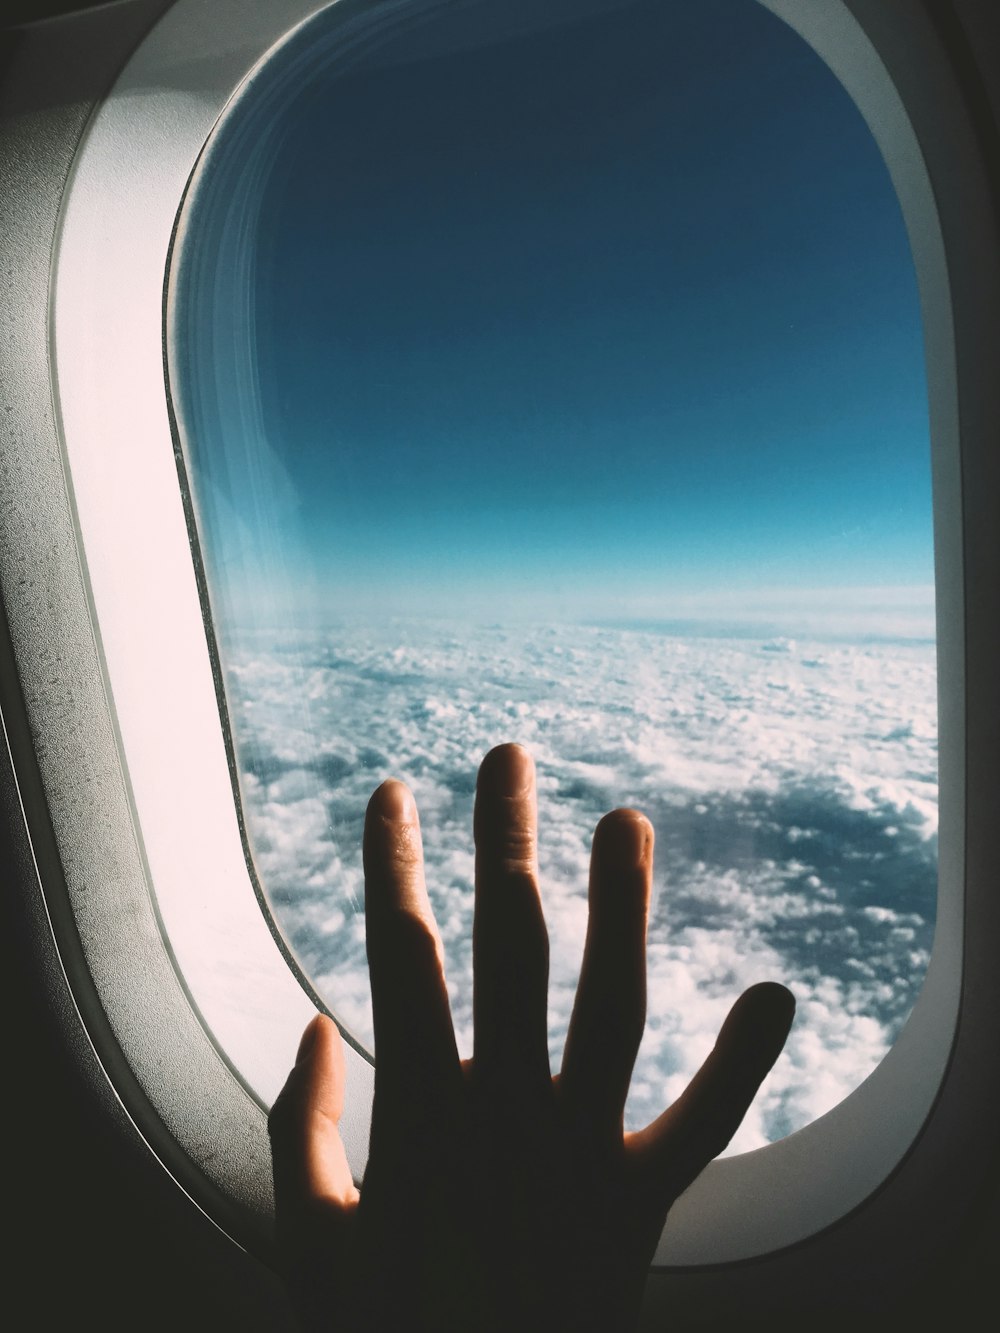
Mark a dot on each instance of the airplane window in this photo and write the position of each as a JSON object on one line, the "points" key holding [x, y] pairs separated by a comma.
{"points": [[561, 379]]}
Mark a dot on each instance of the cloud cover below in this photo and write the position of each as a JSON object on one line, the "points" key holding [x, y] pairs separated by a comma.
{"points": [[792, 787]]}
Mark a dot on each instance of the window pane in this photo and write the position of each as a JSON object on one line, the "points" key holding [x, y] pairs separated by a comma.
{"points": [[556, 375]]}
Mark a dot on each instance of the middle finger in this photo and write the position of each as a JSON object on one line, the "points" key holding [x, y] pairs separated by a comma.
{"points": [[509, 942]]}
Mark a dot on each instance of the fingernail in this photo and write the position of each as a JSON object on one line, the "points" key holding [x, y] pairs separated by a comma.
{"points": [[508, 770], [394, 800], [308, 1042], [773, 999], [626, 838]]}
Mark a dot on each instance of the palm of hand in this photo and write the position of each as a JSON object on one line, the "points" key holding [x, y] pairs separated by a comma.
{"points": [[495, 1196]]}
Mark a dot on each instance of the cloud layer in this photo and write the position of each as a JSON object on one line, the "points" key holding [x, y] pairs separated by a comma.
{"points": [[792, 786]]}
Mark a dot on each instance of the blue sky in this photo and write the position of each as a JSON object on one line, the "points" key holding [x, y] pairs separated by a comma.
{"points": [[619, 318]]}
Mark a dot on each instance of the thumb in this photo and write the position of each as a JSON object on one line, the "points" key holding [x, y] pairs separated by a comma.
{"points": [[311, 1172]]}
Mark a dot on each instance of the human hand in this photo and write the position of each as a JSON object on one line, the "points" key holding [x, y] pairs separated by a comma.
{"points": [[497, 1197]]}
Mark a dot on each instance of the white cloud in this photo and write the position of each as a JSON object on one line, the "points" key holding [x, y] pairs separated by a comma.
{"points": [[790, 783]]}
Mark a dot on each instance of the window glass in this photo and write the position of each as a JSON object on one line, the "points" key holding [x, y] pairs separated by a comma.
{"points": [[555, 374]]}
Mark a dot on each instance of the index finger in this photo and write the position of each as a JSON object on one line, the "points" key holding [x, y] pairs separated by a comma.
{"points": [[416, 1059]]}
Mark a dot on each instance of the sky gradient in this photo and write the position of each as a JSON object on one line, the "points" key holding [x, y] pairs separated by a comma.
{"points": [[616, 319]]}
